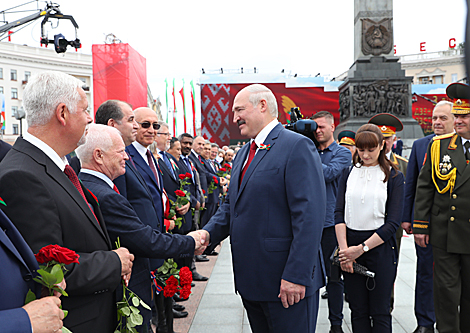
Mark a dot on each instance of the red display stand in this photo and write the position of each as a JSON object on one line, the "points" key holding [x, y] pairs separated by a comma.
{"points": [[119, 72]]}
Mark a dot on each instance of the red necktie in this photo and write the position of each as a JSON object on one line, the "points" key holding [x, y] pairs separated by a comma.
{"points": [[74, 179], [116, 189], [152, 166], [253, 148]]}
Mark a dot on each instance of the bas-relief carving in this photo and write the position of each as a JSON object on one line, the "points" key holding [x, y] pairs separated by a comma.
{"points": [[374, 98], [377, 37]]}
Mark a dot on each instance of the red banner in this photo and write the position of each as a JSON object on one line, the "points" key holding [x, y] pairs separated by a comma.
{"points": [[217, 102], [422, 110]]}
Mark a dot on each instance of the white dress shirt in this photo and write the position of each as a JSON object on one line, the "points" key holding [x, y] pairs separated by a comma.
{"points": [[366, 196], [60, 162]]}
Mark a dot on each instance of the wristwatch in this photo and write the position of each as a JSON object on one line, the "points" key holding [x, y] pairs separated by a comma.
{"points": [[365, 247]]}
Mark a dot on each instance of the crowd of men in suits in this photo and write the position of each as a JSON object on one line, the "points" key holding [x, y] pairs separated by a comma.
{"points": [[122, 182]]}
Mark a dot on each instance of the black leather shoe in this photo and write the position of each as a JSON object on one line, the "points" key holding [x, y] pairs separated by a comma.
{"points": [[201, 258], [177, 298], [422, 329], [213, 253], [199, 277], [193, 284], [179, 314], [336, 329], [178, 307], [324, 295]]}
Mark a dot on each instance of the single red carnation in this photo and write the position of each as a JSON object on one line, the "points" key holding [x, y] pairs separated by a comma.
{"points": [[180, 193], [215, 179], [57, 253], [182, 176], [170, 290], [185, 291], [188, 175], [186, 277], [203, 191], [226, 165], [172, 281], [222, 169]]}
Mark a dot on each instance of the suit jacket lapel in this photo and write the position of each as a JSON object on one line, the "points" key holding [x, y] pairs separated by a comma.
{"points": [[138, 160], [270, 140], [165, 170]]}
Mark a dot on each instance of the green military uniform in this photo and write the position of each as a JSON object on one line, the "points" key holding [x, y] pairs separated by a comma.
{"points": [[442, 211]]}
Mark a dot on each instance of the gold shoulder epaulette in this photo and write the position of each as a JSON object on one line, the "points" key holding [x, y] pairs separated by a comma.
{"points": [[443, 136], [401, 158]]}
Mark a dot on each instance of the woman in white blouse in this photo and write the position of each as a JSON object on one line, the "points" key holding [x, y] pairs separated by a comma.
{"points": [[368, 212]]}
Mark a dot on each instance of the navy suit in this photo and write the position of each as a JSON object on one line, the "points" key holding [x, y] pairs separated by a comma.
{"points": [[212, 202], [4, 149], [133, 187], [18, 268], [201, 170], [424, 303], [141, 240], [275, 222]]}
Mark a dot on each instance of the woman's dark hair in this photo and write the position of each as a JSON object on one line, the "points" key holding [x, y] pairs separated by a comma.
{"points": [[369, 136], [172, 141]]}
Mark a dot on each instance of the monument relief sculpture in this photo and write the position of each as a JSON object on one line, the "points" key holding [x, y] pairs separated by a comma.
{"points": [[377, 36]]}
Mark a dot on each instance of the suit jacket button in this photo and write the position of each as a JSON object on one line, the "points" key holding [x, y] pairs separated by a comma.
{"points": [[28, 277], [452, 219], [236, 214]]}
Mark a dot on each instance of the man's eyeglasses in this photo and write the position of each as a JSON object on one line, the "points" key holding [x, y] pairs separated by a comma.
{"points": [[167, 134], [146, 124]]}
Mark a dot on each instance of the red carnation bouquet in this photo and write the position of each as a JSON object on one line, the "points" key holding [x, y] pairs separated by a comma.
{"points": [[224, 171], [52, 260], [213, 185], [169, 279], [182, 198]]}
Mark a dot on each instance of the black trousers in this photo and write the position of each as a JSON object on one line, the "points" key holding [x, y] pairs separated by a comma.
{"points": [[369, 298], [451, 290]]}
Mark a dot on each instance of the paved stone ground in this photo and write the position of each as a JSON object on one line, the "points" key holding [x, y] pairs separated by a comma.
{"points": [[214, 306]]}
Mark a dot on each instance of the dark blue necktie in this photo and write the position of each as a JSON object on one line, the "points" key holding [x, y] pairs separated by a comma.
{"points": [[167, 162]]}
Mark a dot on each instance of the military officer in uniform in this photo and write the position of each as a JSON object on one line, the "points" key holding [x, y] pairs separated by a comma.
{"points": [[441, 215], [347, 139]]}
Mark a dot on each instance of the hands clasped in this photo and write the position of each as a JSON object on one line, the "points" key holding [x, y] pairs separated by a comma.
{"points": [[348, 256], [201, 239]]}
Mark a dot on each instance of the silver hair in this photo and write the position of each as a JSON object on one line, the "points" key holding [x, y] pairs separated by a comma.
{"points": [[230, 151], [45, 91], [98, 136], [207, 142], [162, 124], [444, 102], [259, 92]]}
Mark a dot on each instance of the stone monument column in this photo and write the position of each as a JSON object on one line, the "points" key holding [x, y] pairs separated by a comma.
{"points": [[375, 82]]}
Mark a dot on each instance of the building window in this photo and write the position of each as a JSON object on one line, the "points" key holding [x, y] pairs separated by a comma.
{"points": [[1, 73], [454, 78], [15, 129], [437, 79], [14, 93], [14, 110], [424, 80], [27, 75], [13, 75]]}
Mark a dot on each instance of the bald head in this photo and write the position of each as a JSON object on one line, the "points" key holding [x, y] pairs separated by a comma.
{"points": [[148, 125], [198, 144]]}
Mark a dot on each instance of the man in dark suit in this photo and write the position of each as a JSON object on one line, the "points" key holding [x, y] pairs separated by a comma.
{"points": [[442, 123], [48, 205], [274, 215], [18, 268], [441, 215], [4, 149], [103, 159], [196, 159]]}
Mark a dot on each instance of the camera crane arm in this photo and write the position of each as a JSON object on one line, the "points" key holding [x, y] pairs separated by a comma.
{"points": [[51, 11]]}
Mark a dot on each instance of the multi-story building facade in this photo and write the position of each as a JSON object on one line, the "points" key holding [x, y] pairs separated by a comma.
{"points": [[19, 62]]}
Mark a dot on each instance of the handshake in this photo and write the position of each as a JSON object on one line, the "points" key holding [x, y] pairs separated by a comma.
{"points": [[201, 240]]}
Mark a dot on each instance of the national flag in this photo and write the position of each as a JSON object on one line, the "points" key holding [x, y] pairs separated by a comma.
{"points": [[193, 102], [184, 107], [174, 109]]}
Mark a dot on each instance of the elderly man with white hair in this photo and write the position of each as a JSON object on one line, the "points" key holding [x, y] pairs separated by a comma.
{"points": [[48, 204], [103, 159]]}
